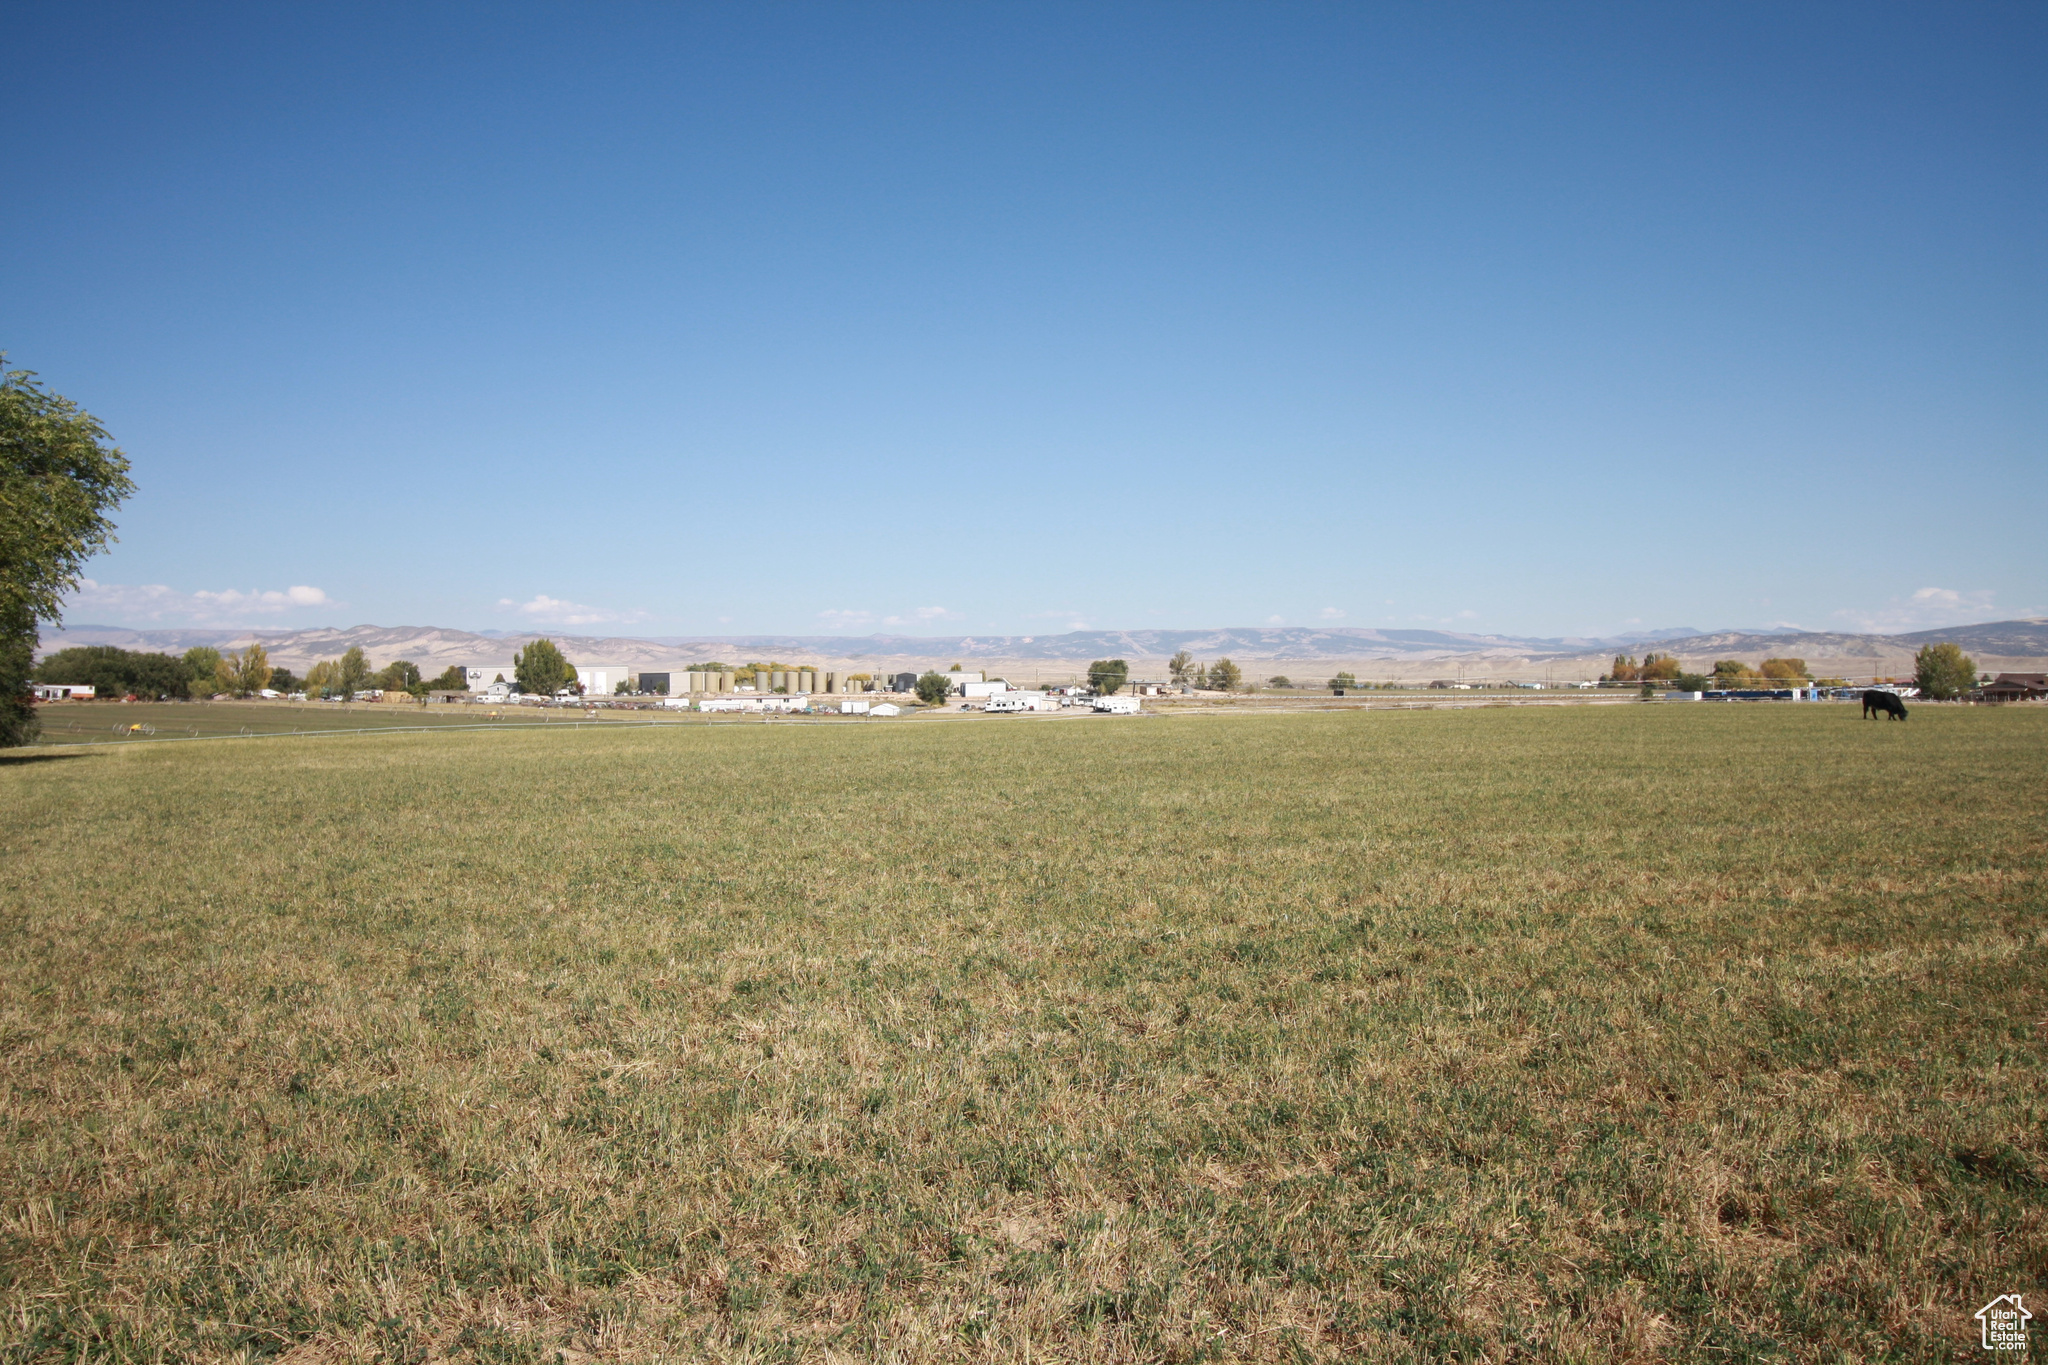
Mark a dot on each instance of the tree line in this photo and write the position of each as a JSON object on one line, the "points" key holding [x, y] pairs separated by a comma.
{"points": [[204, 671], [1942, 672]]}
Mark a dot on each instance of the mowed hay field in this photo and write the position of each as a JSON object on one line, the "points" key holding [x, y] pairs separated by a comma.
{"points": [[1622, 1033]]}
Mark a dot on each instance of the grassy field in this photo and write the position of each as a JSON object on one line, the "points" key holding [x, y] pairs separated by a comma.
{"points": [[127, 723], [1616, 1033]]}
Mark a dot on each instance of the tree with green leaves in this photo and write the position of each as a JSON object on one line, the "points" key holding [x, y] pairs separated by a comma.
{"points": [[932, 688], [1732, 673], [1943, 672], [1106, 676], [249, 671], [1225, 676], [452, 679], [1279, 680], [541, 668], [1180, 665], [203, 661], [400, 675], [1343, 682], [60, 481], [352, 671], [1784, 670], [284, 680]]}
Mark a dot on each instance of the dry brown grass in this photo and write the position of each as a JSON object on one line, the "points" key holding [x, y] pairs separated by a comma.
{"points": [[1610, 1034]]}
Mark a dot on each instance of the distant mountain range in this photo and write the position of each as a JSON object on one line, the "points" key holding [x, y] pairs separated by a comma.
{"points": [[434, 648]]}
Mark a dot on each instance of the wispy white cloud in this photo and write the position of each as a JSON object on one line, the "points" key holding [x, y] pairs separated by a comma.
{"points": [[853, 618], [553, 611], [1925, 609], [920, 616], [117, 604], [1276, 620], [1332, 613]]}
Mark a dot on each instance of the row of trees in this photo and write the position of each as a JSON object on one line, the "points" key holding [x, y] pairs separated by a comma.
{"points": [[1942, 672], [115, 672], [1221, 676], [1727, 674], [352, 674], [204, 671]]}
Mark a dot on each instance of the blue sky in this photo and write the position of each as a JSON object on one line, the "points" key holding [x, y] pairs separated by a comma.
{"points": [[649, 319]]}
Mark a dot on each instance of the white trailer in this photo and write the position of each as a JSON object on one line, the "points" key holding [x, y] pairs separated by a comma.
{"points": [[1022, 701], [1117, 706], [853, 708], [978, 690]]}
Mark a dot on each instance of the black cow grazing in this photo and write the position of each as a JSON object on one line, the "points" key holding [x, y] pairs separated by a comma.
{"points": [[1887, 702]]}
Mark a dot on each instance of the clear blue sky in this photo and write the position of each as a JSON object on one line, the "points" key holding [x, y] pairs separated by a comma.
{"points": [[1531, 318]]}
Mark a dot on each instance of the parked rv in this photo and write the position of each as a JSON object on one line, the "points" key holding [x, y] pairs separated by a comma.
{"points": [[1021, 701]]}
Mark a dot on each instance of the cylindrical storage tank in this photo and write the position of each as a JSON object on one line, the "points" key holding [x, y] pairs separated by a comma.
{"points": [[810, 681], [695, 681], [831, 682], [776, 679], [725, 682]]}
